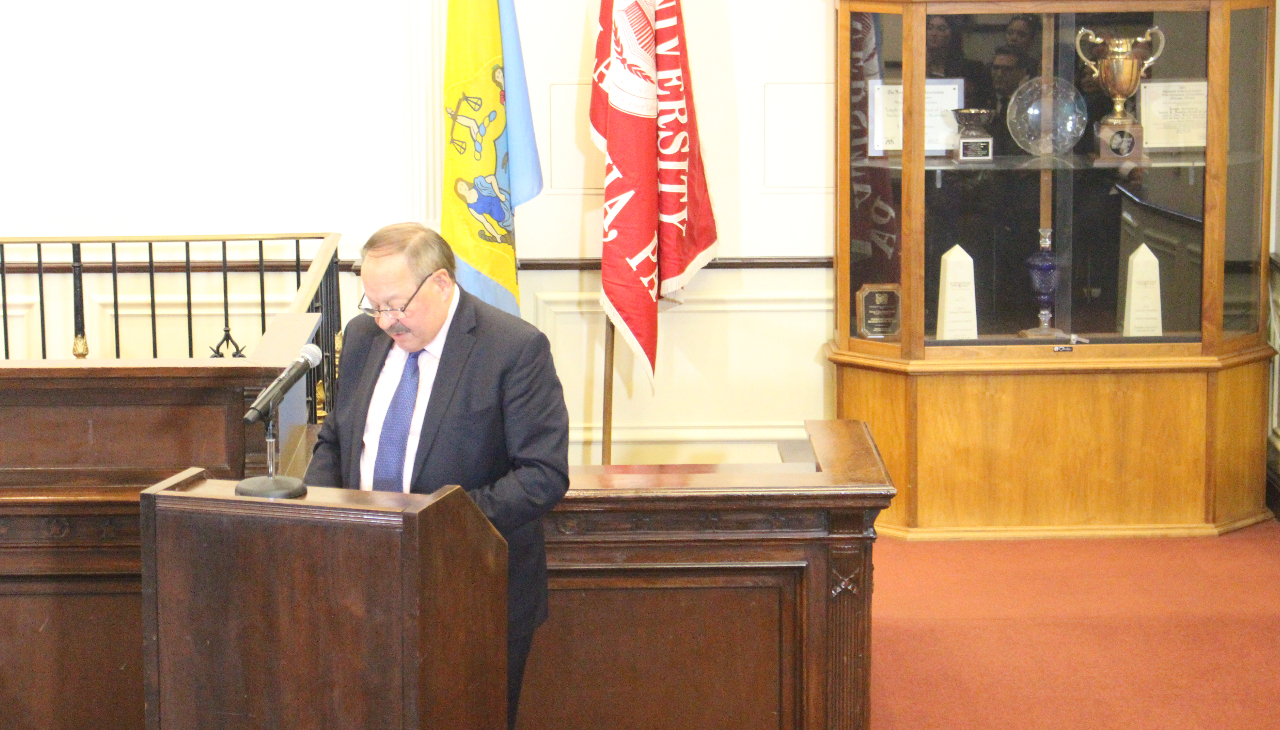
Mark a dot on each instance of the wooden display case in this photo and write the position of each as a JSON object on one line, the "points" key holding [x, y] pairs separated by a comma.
{"points": [[1092, 432]]}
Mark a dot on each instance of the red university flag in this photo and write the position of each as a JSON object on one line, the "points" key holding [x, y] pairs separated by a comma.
{"points": [[658, 226]]}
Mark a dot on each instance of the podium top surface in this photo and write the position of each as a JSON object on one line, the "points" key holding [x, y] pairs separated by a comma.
{"points": [[194, 483], [849, 473]]}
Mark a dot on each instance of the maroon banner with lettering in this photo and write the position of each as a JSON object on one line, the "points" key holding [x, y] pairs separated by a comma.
{"points": [[874, 222], [658, 226]]}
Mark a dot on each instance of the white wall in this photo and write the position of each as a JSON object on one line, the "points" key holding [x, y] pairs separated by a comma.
{"points": [[150, 117], [146, 118]]}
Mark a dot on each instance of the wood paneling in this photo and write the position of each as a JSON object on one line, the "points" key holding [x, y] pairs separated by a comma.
{"points": [[1239, 445], [1057, 450], [911, 243], [881, 400], [77, 443], [1215, 177], [70, 653], [180, 433], [1031, 358], [70, 609], [107, 423], [232, 604], [657, 672]]}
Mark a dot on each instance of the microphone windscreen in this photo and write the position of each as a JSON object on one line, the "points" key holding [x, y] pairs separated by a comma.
{"points": [[312, 354]]}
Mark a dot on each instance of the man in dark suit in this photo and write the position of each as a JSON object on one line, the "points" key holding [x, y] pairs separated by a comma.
{"points": [[1009, 69], [438, 388]]}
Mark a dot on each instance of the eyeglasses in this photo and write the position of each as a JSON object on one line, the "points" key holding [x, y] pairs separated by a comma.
{"points": [[391, 313]]}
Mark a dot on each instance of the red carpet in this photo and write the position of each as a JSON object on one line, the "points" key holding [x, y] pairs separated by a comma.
{"points": [[1159, 633]]}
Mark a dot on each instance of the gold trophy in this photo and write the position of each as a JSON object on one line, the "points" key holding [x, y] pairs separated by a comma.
{"points": [[1119, 68]]}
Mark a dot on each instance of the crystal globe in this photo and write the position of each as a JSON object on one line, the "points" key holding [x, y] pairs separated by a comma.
{"points": [[1046, 116]]}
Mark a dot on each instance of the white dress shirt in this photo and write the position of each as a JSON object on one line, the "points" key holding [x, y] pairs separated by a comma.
{"points": [[392, 369]]}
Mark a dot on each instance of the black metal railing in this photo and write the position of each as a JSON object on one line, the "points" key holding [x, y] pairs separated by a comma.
{"points": [[169, 267], [326, 338]]}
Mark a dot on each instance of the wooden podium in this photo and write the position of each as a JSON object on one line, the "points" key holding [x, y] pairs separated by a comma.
{"points": [[337, 610]]}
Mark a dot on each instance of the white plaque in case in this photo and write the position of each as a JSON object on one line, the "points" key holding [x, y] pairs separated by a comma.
{"points": [[1142, 295], [957, 313], [1174, 113]]}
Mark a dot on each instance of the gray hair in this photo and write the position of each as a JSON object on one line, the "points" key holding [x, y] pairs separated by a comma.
{"points": [[426, 251]]}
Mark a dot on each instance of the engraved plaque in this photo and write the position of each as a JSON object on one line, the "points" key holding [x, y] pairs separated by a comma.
{"points": [[879, 309], [975, 149]]}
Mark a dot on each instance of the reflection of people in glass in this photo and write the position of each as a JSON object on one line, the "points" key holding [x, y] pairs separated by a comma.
{"points": [[1021, 35], [945, 59], [1096, 209], [1014, 202], [1009, 68], [1097, 103], [950, 216]]}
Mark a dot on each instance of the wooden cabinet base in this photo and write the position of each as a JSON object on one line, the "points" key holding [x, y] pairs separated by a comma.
{"points": [[1042, 531], [1038, 449]]}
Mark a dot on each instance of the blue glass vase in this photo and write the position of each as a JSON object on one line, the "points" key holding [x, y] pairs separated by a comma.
{"points": [[1044, 281]]}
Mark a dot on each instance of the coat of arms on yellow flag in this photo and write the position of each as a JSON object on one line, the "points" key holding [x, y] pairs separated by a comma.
{"points": [[482, 152]]}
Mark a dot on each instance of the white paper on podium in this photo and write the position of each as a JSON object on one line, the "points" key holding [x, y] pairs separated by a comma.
{"points": [[957, 312]]}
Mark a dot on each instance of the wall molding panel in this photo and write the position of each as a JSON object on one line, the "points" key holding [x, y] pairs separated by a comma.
{"points": [[739, 365]]}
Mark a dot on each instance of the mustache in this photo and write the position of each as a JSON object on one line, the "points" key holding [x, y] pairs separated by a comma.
{"points": [[397, 328]]}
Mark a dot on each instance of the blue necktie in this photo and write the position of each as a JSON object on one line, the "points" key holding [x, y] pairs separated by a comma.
{"points": [[388, 468]]}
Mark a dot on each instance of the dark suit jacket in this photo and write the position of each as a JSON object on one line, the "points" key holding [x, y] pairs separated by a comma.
{"points": [[496, 424]]}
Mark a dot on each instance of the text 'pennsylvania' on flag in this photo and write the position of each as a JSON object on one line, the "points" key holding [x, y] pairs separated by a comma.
{"points": [[490, 159], [658, 226]]}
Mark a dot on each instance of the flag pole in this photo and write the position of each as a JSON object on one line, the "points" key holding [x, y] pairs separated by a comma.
{"points": [[606, 441]]}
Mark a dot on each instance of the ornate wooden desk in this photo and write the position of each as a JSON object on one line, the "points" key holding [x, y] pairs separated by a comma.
{"points": [[682, 596], [696, 596]]}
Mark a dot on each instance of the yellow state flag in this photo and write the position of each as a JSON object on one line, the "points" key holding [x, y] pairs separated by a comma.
{"points": [[477, 211]]}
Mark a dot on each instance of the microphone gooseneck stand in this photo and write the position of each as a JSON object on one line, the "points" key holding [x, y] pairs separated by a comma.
{"points": [[264, 409], [272, 486]]}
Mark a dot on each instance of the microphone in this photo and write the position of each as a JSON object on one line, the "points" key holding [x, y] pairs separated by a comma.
{"points": [[271, 395]]}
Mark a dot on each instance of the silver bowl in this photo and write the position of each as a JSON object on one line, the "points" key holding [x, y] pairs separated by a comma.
{"points": [[973, 121]]}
